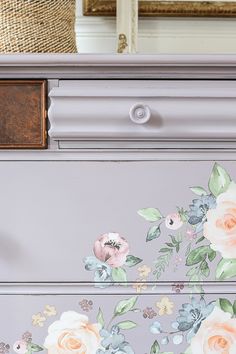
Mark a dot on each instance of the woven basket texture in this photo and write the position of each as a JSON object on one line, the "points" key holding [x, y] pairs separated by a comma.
{"points": [[37, 26]]}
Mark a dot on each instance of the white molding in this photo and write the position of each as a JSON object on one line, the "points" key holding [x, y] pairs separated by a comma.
{"points": [[160, 35], [82, 288]]}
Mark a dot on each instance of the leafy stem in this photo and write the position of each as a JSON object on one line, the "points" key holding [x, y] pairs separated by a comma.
{"points": [[166, 253]]}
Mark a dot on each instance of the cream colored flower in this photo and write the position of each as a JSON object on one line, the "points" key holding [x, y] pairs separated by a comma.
{"points": [[73, 334], [50, 311], [144, 271], [38, 320], [140, 285], [217, 334], [165, 306], [220, 228]]}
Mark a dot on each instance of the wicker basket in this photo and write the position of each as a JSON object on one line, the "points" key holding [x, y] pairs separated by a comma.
{"points": [[37, 26]]}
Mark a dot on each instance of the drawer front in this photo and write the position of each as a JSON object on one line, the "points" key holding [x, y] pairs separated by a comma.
{"points": [[128, 324], [146, 111], [107, 222]]}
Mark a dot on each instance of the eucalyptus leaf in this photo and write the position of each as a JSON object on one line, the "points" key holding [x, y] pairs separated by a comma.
{"points": [[119, 275], [150, 214], [219, 180], [155, 349], [126, 325], [198, 190], [100, 318], [226, 269], [226, 306], [153, 233], [132, 261], [125, 306]]}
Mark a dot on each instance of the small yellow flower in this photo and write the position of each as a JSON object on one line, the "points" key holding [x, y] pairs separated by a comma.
{"points": [[144, 271], [50, 311], [38, 320], [140, 285], [165, 306]]}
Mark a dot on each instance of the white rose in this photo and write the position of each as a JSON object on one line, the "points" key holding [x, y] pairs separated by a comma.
{"points": [[220, 228], [73, 334], [217, 334]]}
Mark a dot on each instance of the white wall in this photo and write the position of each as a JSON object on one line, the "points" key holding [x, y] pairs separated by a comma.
{"points": [[159, 35]]}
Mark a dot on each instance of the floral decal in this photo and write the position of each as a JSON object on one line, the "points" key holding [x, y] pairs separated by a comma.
{"points": [[200, 324], [207, 328], [25, 345], [73, 333], [205, 232], [111, 256]]}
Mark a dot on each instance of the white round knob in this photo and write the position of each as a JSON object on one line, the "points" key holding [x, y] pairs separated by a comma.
{"points": [[140, 113]]}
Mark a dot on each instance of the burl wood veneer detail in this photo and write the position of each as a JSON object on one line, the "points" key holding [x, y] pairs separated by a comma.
{"points": [[23, 114]]}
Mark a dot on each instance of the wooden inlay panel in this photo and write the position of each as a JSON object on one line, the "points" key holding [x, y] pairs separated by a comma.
{"points": [[23, 114]]}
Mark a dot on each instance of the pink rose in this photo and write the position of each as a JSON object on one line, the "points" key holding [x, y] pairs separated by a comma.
{"points": [[173, 221], [112, 249], [20, 347]]}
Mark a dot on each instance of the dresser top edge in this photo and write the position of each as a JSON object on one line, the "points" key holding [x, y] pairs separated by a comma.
{"points": [[82, 66]]}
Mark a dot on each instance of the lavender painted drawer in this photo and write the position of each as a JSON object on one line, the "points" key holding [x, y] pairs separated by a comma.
{"points": [[109, 222], [118, 324]]}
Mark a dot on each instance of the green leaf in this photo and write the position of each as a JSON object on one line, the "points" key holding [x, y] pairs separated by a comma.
{"points": [[153, 233], [183, 214], [34, 347], [211, 255], [173, 240], [170, 244], [226, 269], [127, 325], [119, 274], [226, 306], [132, 261], [164, 250], [192, 271], [219, 180], [234, 307], [200, 239], [198, 190], [197, 255], [155, 349], [188, 351], [205, 270], [125, 306], [100, 318], [150, 214]]}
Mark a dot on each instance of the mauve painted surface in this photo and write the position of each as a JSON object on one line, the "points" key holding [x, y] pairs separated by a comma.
{"points": [[53, 212]]}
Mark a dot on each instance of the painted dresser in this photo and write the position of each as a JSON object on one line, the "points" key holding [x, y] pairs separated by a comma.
{"points": [[118, 233]]}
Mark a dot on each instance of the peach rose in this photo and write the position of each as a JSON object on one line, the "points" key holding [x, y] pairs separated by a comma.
{"points": [[73, 334], [220, 228], [112, 249], [216, 335]]}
